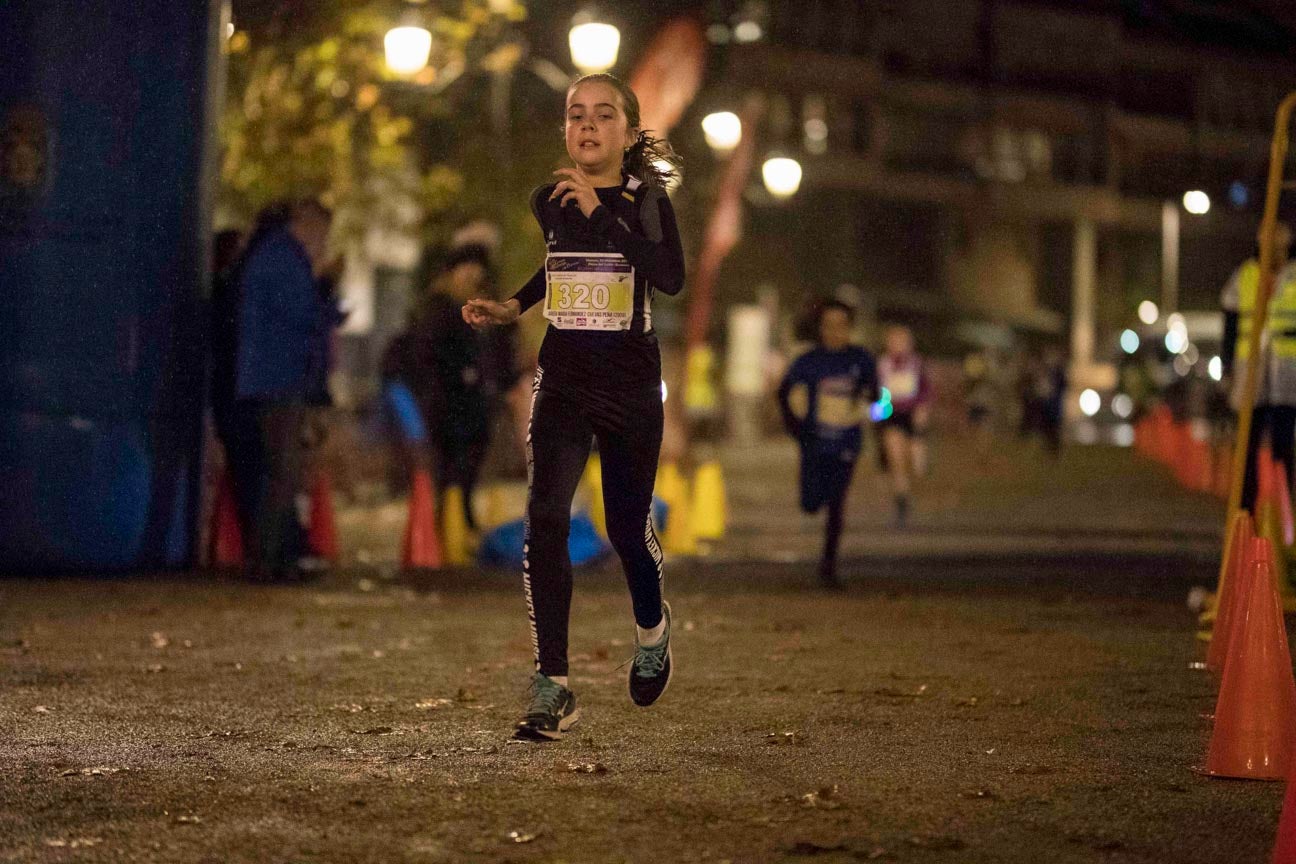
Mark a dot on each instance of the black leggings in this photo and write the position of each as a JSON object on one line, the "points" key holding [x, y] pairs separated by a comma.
{"points": [[1280, 422], [629, 432]]}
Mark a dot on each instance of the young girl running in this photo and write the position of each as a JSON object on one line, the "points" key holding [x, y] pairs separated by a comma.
{"points": [[821, 398], [901, 372], [612, 243]]}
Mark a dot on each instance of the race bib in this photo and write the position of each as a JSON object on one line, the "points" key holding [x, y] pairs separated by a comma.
{"points": [[589, 291], [903, 384]]}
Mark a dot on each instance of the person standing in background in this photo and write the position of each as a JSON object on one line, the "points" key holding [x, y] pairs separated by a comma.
{"points": [[1275, 398], [280, 322], [460, 373]]}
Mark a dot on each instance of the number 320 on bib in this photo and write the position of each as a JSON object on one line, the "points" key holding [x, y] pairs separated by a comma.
{"points": [[589, 291]]}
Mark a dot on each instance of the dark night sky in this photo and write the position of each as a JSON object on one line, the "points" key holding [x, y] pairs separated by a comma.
{"points": [[1268, 25]]}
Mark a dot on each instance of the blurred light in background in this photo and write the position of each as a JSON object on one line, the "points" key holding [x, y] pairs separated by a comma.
{"points": [[1123, 435], [407, 49], [1191, 354], [1148, 312], [1122, 405], [782, 176], [676, 178], [1216, 368], [814, 124], [1177, 322], [665, 392], [1176, 342], [718, 34], [1239, 194], [1129, 341], [1197, 202], [1090, 402], [816, 136], [748, 31], [1181, 366], [723, 130], [594, 46]]}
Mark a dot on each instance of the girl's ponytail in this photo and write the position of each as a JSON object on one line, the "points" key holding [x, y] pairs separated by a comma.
{"points": [[652, 160]]}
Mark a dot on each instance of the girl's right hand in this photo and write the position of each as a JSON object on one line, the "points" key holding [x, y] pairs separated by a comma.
{"points": [[487, 313]]}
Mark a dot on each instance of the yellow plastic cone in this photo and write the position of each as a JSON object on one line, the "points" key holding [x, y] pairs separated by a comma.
{"points": [[674, 490], [593, 482], [454, 528], [496, 507], [708, 506]]}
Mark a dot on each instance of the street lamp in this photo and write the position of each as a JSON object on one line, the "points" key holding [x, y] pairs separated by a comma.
{"points": [[407, 48], [782, 176], [723, 130], [594, 46], [1197, 202]]}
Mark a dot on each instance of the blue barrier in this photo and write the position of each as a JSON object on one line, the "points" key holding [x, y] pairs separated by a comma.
{"points": [[103, 262]]}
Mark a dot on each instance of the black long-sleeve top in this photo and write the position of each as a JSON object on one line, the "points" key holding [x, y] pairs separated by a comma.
{"points": [[578, 361]]}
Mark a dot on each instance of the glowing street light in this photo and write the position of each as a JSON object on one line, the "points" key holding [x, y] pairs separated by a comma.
{"points": [[1197, 202], [407, 49], [1090, 402], [782, 176], [594, 46], [723, 130], [1148, 312]]}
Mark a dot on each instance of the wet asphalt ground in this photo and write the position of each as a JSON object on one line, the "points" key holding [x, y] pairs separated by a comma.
{"points": [[983, 700]]}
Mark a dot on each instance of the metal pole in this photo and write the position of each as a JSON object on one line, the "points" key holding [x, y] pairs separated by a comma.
{"points": [[1169, 257]]}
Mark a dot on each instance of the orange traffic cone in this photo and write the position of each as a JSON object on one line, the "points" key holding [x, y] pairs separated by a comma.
{"points": [[422, 548], [1235, 554], [226, 537], [1284, 851], [1257, 699], [322, 534]]}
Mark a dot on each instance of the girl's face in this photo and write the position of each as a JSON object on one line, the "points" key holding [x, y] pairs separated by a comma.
{"points": [[899, 341], [834, 329], [597, 130]]}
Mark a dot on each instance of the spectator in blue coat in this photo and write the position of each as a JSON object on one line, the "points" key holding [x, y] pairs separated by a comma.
{"points": [[282, 320]]}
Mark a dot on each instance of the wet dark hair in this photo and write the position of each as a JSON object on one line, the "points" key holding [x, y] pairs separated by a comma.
{"points": [[646, 156]]}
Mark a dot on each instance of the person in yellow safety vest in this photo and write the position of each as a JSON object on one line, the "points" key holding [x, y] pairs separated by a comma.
{"points": [[1275, 400]]}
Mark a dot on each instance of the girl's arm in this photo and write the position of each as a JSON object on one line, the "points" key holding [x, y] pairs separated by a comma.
{"points": [[662, 263], [532, 292], [795, 378]]}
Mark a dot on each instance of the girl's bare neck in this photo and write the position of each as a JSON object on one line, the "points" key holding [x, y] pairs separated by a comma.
{"points": [[604, 177]]}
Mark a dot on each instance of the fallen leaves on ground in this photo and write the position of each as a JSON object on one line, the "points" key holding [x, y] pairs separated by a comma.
{"points": [[823, 798], [587, 768], [74, 843], [894, 693], [523, 836], [433, 704]]}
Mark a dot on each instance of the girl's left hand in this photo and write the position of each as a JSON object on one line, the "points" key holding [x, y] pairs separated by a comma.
{"points": [[575, 187]]}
